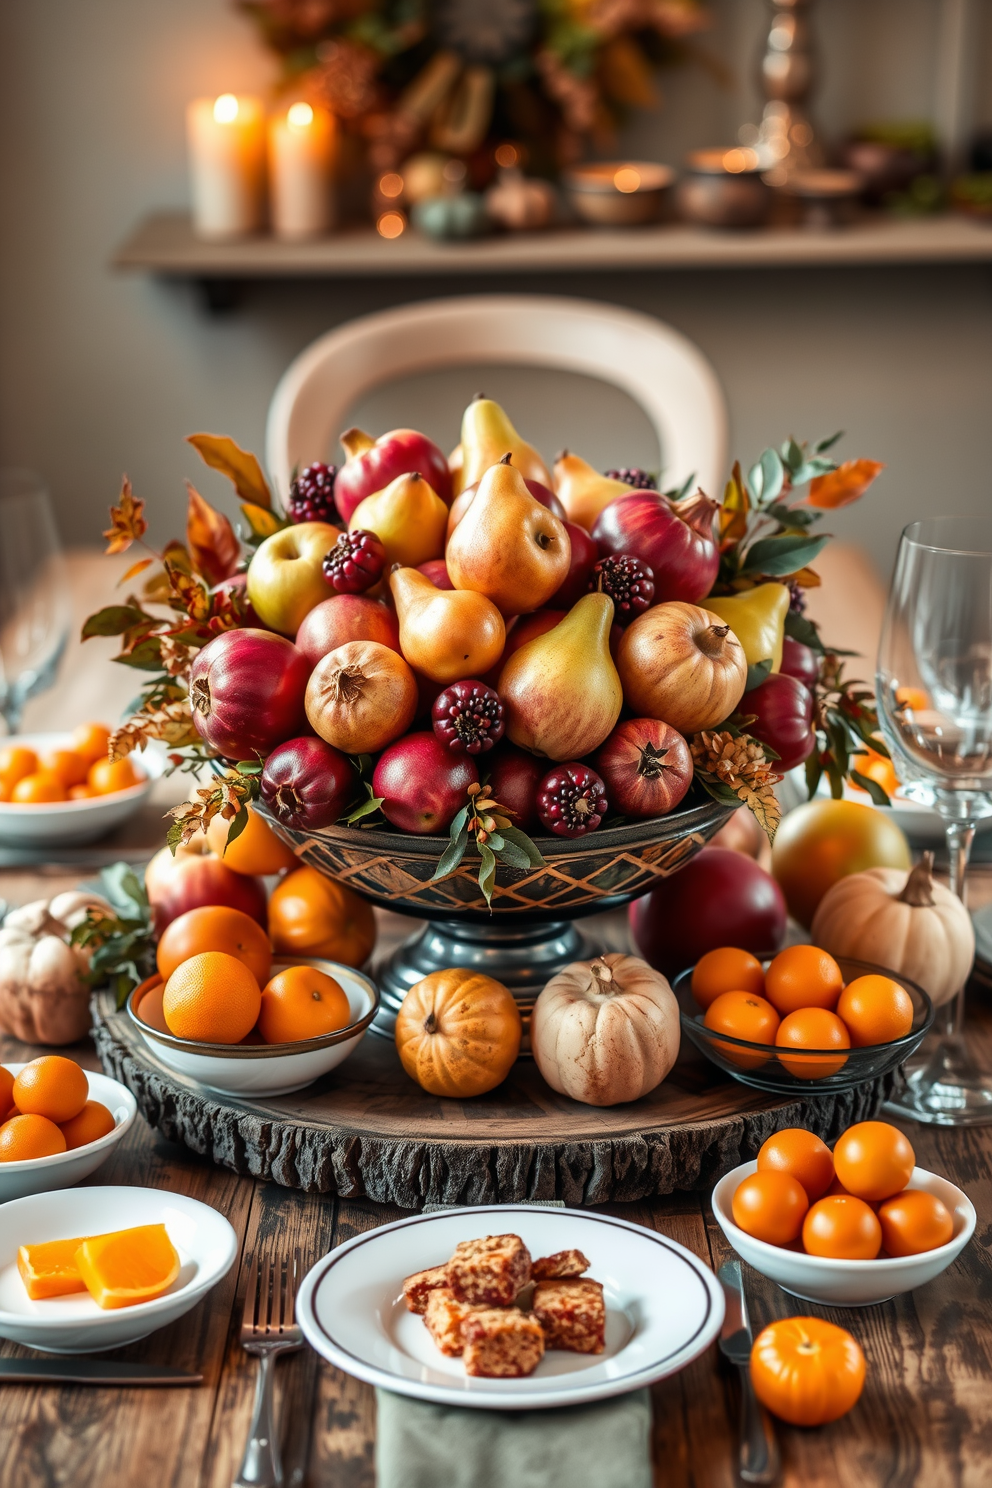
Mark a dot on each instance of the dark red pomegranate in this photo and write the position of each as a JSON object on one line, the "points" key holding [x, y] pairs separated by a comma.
{"points": [[628, 582], [308, 784], [246, 690], [343, 618], [646, 766], [576, 581], [800, 661], [373, 463], [675, 540], [783, 710], [514, 776], [355, 562], [720, 898], [422, 784], [468, 717], [571, 800], [437, 571]]}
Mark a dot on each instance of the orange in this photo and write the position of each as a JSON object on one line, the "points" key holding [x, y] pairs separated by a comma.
{"points": [[93, 1122], [6, 1091], [302, 1003], [149, 1009], [28, 1137], [742, 1016], [310, 915], [812, 1028], [81, 793], [51, 1086], [801, 1154], [41, 786], [843, 1228], [770, 1207], [875, 1010], [215, 927], [726, 970], [874, 1160], [106, 777], [821, 842], [16, 761], [49, 1269], [803, 976], [128, 1266], [874, 766], [66, 765], [914, 1221], [807, 1371], [256, 850], [91, 740], [212, 998]]}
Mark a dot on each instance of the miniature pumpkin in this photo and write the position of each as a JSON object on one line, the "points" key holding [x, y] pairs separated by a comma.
{"points": [[458, 1033], [606, 1031], [43, 997], [903, 921]]}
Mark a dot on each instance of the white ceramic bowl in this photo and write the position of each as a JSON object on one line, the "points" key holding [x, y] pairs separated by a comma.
{"points": [[267, 1069], [41, 1174], [847, 1283], [206, 1243], [62, 823]]}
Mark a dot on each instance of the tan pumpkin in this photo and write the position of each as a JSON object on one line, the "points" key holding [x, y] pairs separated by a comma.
{"points": [[458, 1033], [903, 921], [606, 1031]]}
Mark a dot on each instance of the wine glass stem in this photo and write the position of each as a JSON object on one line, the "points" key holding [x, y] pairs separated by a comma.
{"points": [[960, 835]]}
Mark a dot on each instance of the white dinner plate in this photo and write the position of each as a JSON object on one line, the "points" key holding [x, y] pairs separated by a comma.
{"points": [[39, 1174], [663, 1307]]}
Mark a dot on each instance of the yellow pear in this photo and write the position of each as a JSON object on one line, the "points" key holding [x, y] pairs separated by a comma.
{"points": [[488, 435], [582, 491], [447, 634], [408, 517], [507, 545], [561, 691]]}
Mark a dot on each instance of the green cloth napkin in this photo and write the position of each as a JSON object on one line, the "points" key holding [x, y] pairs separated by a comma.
{"points": [[607, 1445]]}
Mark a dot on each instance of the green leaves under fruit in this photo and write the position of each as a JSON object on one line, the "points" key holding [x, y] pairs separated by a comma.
{"points": [[122, 944], [484, 821]]}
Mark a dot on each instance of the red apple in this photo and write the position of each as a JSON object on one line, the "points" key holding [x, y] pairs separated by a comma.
{"points": [[585, 553], [783, 710], [343, 618], [286, 575], [423, 785], [247, 690], [437, 571], [373, 463], [308, 784], [800, 661], [646, 766], [675, 540], [514, 776], [195, 877]]}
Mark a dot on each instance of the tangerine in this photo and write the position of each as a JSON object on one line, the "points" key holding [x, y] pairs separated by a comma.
{"points": [[81, 793], [16, 761], [726, 969], [6, 1091], [215, 927], [875, 1010], [212, 998], [812, 1028], [149, 1009], [255, 850], [91, 740], [39, 787], [107, 776], [310, 915], [128, 1266], [302, 1003], [51, 1086], [803, 1155], [66, 765], [742, 1015], [874, 1160], [49, 1269], [803, 976], [875, 766], [27, 1137], [914, 1221], [770, 1206], [843, 1228], [93, 1122], [806, 1370]]}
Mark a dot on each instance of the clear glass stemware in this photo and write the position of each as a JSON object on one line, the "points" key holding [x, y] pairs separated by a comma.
{"points": [[934, 689], [35, 609]]}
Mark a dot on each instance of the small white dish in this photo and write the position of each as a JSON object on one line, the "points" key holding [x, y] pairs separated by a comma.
{"points": [[206, 1243], [847, 1283], [664, 1307], [42, 1174], [267, 1069], [63, 823]]}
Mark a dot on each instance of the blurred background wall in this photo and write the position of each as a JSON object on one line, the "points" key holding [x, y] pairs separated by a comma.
{"points": [[101, 373]]}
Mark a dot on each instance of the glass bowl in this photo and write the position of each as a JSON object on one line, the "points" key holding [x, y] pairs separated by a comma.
{"points": [[761, 1066]]}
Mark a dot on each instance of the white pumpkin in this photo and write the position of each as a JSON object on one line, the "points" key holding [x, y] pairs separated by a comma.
{"points": [[43, 997], [605, 1031], [903, 921]]}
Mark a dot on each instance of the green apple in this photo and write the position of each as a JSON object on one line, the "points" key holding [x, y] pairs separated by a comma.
{"points": [[285, 579]]}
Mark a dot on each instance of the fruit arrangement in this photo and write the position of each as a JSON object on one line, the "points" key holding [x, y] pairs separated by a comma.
{"points": [[78, 773], [46, 1109]]}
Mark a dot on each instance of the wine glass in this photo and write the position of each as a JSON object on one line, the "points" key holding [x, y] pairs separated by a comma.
{"points": [[934, 690], [35, 610]]}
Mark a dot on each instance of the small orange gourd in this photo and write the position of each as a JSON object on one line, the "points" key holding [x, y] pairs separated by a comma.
{"points": [[458, 1033]]}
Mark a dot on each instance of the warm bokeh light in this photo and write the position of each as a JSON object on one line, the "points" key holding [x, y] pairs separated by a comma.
{"points": [[300, 116], [736, 161], [627, 179], [391, 225], [454, 172], [507, 155], [226, 108], [391, 185]]}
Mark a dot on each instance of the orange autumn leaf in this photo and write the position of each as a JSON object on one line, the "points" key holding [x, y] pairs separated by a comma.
{"points": [[241, 467], [213, 548], [847, 483], [134, 570], [127, 525]]}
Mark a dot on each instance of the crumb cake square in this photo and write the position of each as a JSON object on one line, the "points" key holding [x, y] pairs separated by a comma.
{"points": [[562, 1264], [418, 1287], [444, 1316], [572, 1314], [502, 1343], [491, 1271]]}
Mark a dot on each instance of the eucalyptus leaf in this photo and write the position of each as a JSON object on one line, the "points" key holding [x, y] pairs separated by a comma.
{"points": [[237, 826], [459, 824], [814, 770], [793, 516], [720, 792], [878, 795], [825, 444], [756, 481], [756, 674], [367, 808], [681, 492], [452, 855], [495, 841], [792, 456], [487, 872], [512, 855], [772, 475], [803, 630], [781, 556], [521, 840]]}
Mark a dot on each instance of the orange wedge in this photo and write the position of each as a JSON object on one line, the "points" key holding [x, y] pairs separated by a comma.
{"points": [[49, 1269], [129, 1266]]}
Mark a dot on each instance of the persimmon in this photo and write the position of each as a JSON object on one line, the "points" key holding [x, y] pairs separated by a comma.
{"points": [[91, 740], [875, 1010], [215, 927], [874, 1160], [40, 787], [212, 998], [108, 776], [742, 1015], [149, 1007], [801, 1154], [812, 1028], [311, 915], [23, 1138], [807, 1371], [88, 1125], [51, 1086], [302, 1003], [914, 1221], [255, 850], [803, 976], [727, 969], [842, 1227], [770, 1206]]}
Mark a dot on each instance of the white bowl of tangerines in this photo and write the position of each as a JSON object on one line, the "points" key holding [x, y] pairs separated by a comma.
{"points": [[58, 789], [58, 1124]]}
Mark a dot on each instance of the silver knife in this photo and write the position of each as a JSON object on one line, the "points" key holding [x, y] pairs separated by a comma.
{"points": [[90, 1371], [759, 1457]]}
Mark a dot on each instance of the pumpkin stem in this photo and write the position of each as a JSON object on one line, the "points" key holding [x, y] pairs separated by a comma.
{"points": [[918, 889], [602, 975], [430, 1022]]}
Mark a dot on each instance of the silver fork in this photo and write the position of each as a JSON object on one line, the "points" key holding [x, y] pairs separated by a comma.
{"points": [[268, 1328]]}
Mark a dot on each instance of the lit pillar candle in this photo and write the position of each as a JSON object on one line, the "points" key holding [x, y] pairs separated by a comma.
{"points": [[226, 142], [301, 153]]}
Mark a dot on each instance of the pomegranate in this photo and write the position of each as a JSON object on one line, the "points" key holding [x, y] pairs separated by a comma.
{"points": [[537, 489], [576, 582], [422, 784], [343, 618], [514, 776], [720, 898], [628, 582], [195, 877], [355, 562], [372, 464], [800, 661], [783, 710], [436, 570], [247, 690], [307, 783], [468, 717], [571, 800], [361, 697], [675, 540], [647, 767]]}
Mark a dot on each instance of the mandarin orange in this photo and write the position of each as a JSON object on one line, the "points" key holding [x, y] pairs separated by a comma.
{"points": [[51, 1086], [66, 765], [742, 1015], [255, 850], [81, 793], [16, 761], [726, 969], [215, 927], [6, 1091], [302, 1003], [770, 1206], [149, 1009], [92, 1122], [803, 976], [91, 740], [874, 1160], [108, 776], [914, 1221], [24, 1138], [310, 915], [812, 1028], [843, 1228], [212, 998], [803, 1155], [875, 1010], [42, 786]]}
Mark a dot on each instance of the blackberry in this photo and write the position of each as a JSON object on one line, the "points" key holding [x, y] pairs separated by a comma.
{"points": [[571, 800], [639, 479], [311, 496], [628, 582], [468, 717], [797, 599], [355, 562]]}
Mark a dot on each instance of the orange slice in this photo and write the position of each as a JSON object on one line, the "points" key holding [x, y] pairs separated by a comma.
{"points": [[129, 1266], [49, 1269]]}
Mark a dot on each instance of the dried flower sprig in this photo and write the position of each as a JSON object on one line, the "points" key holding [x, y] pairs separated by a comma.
{"points": [[734, 767], [484, 822]]}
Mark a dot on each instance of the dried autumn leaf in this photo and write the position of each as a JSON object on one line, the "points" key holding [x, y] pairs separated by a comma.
{"points": [[847, 483], [734, 511], [188, 592], [127, 525], [240, 466], [806, 578], [172, 723], [213, 548], [135, 570], [261, 521]]}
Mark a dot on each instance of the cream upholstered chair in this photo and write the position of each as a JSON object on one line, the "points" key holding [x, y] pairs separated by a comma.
{"points": [[660, 370]]}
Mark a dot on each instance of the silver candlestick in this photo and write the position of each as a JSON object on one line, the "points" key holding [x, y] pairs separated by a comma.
{"points": [[785, 140]]}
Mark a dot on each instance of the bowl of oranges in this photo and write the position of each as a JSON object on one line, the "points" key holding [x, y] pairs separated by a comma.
{"points": [[802, 1020], [60, 789], [850, 1227], [58, 1123]]}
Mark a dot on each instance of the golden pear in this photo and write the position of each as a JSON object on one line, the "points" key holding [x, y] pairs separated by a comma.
{"points": [[408, 517], [447, 634], [507, 545], [582, 491], [561, 691], [488, 435]]}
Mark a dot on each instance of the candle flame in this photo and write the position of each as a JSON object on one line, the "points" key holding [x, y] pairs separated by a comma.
{"points": [[226, 108], [300, 116], [507, 155], [627, 179], [391, 225]]}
